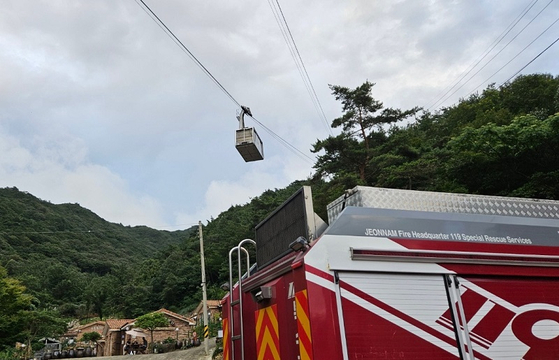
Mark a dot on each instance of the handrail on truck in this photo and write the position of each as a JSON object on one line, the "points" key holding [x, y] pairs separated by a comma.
{"points": [[238, 248]]}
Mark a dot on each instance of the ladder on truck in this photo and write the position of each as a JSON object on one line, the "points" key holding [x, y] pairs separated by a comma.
{"points": [[233, 304]]}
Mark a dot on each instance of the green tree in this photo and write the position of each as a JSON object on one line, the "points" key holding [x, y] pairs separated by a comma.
{"points": [[41, 324], [362, 123], [91, 337], [99, 290], [14, 302], [531, 94], [151, 321], [508, 160]]}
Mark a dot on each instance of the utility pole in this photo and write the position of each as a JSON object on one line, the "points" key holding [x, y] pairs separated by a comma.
{"points": [[204, 296]]}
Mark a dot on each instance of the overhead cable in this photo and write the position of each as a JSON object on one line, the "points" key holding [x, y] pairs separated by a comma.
{"points": [[514, 57], [531, 61], [296, 55], [177, 41], [296, 151], [183, 47], [485, 53], [500, 51], [491, 47]]}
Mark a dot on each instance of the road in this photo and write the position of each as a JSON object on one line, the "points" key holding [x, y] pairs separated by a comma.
{"points": [[196, 353]]}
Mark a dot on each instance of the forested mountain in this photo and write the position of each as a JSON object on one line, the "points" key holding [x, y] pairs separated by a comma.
{"points": [[61, 262], [71, 259], [60, 252], [503, 141]]}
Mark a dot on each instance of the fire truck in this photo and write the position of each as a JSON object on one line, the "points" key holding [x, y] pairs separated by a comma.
{"points": [[397, 274]]}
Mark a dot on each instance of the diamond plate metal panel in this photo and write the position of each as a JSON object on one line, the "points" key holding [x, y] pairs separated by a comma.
{"points": [[397, 199]]}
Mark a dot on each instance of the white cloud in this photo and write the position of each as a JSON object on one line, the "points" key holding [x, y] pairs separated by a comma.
{"points": [[222, 194], [57, 171], [99, 106]]}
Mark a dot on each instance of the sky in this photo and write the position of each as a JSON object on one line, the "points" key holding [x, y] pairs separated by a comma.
{"points": [[100, 107]]}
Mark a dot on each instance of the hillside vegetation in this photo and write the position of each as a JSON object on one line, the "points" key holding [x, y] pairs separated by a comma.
{"points": [[62, 252], [72, 263]]}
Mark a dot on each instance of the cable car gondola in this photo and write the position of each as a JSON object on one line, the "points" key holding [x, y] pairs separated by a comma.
{"points": [[247, 141]]}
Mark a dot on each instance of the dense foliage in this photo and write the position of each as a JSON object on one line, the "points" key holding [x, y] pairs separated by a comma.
{"points": [[139, 269], [500, 142], [74, 264], [20, 320], [71, 263], [13, 304]]}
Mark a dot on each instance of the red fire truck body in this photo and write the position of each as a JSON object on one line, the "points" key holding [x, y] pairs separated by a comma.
{"points": [[400, 275]]}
